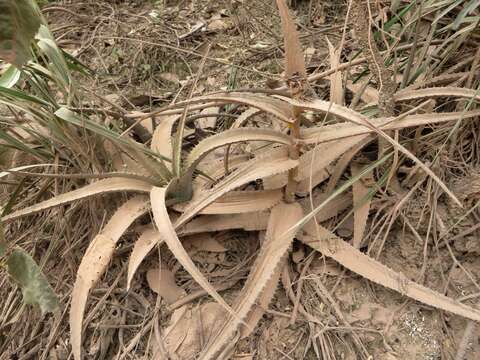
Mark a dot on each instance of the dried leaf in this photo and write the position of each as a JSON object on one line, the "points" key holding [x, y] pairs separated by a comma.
{"points": [[336, 84], [162, 281], [361, 203], [261, 305], [448, 91], [282, 218], [279, 109], [237, 202], [96, 188], [162, 137], [231, 137], [317, 135], [252, 170], [354, 260], [144, 244], [294, 61], [209, 223], [167, 232], [95, 262]]}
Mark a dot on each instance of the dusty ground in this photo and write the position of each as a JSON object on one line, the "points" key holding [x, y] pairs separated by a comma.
{"points": [[144, 54]]}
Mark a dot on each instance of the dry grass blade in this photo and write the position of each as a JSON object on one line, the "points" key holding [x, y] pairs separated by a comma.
{"points": [[294, 61], [437, 92], [272, 106], [95, 262], [96, 188], [238, 202], [253, 170], [361, 204], [144, 244], [234, 136], [282, 217], [354, 260], [168, 234]]}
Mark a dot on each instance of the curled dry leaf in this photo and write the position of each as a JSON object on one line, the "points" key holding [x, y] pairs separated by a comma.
{"points": [[274, 248], [162, 281], [279, 109], [95, 262], [144, 244], [96, 188], [168, 234], [354, 260]]}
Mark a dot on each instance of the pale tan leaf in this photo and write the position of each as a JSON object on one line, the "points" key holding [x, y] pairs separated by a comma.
{"points": [[229, 137], [162, 281], [95, 262], [344, 130], [168, 234], [336, 83], [237, 202], [282, 218], [144, 244], [209, 223], [437, 92], [365, 266], [294, 60], [252, 170], [96, 188], [162, 137], [361, 203], [261, 305], [359, 119]]}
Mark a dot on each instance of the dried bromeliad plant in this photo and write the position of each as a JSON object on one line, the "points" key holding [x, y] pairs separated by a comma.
{"points": [[201, 192]]}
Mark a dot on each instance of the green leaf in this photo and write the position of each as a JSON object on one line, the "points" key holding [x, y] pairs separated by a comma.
{"points": [[10, 77], [35, 287], [19, 22]]}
